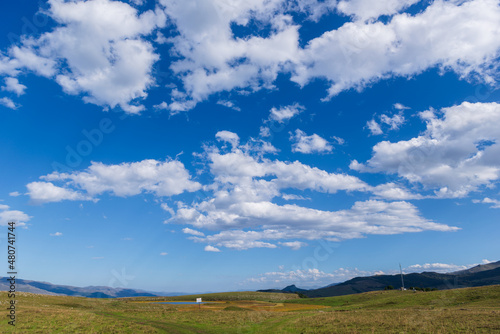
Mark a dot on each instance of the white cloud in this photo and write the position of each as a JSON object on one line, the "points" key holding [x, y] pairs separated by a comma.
{"points": [[374, 127], [13, 85], [296, 222], [366, 9], [264, 132], [239, 204], [295, 245], [400, 106], [495, 204], [167, 208], [100, 48], [338, 140], [459, 36], [307, 277], [436, 267], [211, 249], [193, 232], [96, 49], [239, 168], [458, 153], [166, 178], [245, 185], [285, 113], [394, 122], [7, 216], [57, 234], [394, 191], [45, 192], [229, 104], [5, 101], [309, 144], [291, 197], [15, 194], [163, 253], [213, 60], [229, 137]]}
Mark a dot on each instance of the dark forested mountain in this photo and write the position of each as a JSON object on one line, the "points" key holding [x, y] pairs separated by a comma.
{"points": [[487, 274]]}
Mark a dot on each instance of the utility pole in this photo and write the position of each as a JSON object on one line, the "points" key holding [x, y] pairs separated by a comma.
{"points": [[402, 282]]}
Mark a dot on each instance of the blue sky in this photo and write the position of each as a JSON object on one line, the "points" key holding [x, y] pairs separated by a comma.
{"points": [[225, 145]]}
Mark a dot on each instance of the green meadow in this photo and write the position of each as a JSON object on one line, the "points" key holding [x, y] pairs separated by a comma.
{"points": [[468, 310]]}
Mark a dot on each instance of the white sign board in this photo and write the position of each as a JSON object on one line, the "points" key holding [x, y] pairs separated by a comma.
{"points": [[198, 300]]}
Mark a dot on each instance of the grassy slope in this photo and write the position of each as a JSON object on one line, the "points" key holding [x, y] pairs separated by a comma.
{"points": [[488, 296], [472, 310]]}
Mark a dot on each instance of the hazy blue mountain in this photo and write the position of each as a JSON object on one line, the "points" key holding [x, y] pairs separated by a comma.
{"points": [[46, 288]]}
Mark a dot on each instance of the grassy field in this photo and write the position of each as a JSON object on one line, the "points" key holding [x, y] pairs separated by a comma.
{"points": [[470, 310]]}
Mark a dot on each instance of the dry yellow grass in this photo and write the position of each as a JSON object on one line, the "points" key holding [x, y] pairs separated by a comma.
{"points": [[474, 310]]}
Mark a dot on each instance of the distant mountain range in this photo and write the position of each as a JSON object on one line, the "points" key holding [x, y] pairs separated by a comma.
{"points": [[487, 274], [66, 290]]}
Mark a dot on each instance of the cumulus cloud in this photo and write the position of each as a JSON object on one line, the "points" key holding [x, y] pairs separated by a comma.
{"points": [[452, 35], [239, 205], [394, 191], [229, 104], [45, 192], [292, 197], [285, 113], [227, 136], [96, 49], [211, 249], [307, 277], [57, 234], [436, 267], [5, 101], [13, 85], [389, 122], [374, 127], [458, 153], [193, 232], [394, 121], [165, 178], [495, 204], [212, 60], [264, 132], [295, 245], [309, 144], [400, 106], [444, 35], [366, 9], [7, 215], [101, 49]]}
